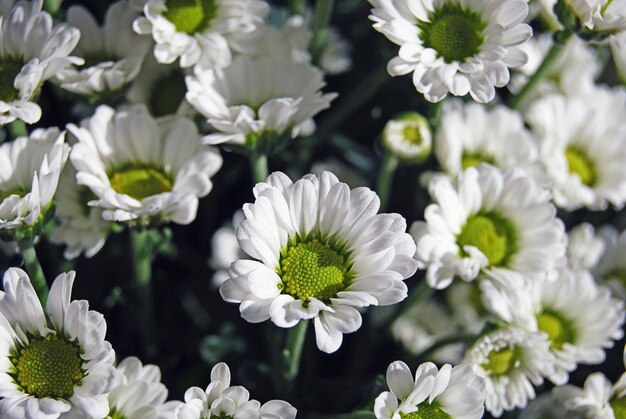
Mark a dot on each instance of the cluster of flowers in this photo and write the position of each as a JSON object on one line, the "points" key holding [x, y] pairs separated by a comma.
{"points": [[539, 301]]}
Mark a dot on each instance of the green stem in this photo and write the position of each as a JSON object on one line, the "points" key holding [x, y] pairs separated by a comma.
{"points": [[435, 114], [444, 341], [518, 101], [258, 163], [297, 7], [29, 255], [143, 253], [385, 179], [293, 351], [52, 6], [321, 21]]}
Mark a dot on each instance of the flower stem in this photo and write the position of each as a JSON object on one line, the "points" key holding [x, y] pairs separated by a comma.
{"points": [[258, 163], [385, 179], [518, 101], [297, 6], [321, 20], [293, 351], [29, 255], [52, 6]]}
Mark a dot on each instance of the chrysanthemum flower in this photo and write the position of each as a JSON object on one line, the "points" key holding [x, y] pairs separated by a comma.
{"points": [[611, 268], [579, 317], [53, 361], [600, 16], [582, 144], [31, 167], [32, 50], [256, 102], [584, 247], [451, 46], [201, 33], [408, 137], [511, 360], [448, 393], [221, 400], [140, 170], [470, 134], [113, 53], [321, 252], [500, 223]]}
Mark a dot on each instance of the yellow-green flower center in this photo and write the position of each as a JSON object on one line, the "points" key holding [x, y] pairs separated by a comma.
{"points": [[471, 160], [426, 411], [115, 414], [619, 407], [412, 134], [140, 180], [15, 191], [190, 16], [502, 361], [313, 269], [49, 367], [558, 328], [581, 165], [455, 33], [8, 71], [492, 234], [167, 94]]}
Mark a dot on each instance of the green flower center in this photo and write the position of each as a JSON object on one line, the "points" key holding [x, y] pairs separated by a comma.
{"points": [[115, 414], [426, 411], [581, 165], [190, 16], [471, 160], [492, 234], [412, 134], [140, 180], [502, 361], [558, 328], [15, 191], [455, 33], [313, 269], [619, 407], [49, 367], [168, 93], [8, 71]]}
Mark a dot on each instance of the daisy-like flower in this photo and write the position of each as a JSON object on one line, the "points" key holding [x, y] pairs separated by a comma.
{"points": [[471, 134], [31, 167], [55, 360], [408, 137], [139, 170], [322, 252], [221, 400], [256, 102], [584, 247], [113, 53], [32, 50], [578, 316], [601, 17], [611, 268], [201, 33], [500, 223], [582, 144], [451, 392], [511, 360], [452, 46], [81, 227]]}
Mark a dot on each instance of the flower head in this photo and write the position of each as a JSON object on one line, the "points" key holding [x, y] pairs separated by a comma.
{"points": [[321, 252], [408, 137]]}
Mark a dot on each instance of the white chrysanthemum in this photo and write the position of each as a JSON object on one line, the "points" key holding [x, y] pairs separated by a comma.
{"points": [[471, 134], [220, 400], [573, 71], [202, 33], [500, 223], [584, 247], [161, 88], [408, 137], [30, 168], [611, 268], [604, 16], [578, 316], [448, 393], [451, 46], [113, 53], [52, 361], [582, 144], [511, 360], [225, 249], [32, 50], [258, 100], [138, 169], [322, 252], [81, 227], [345, 171]]}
